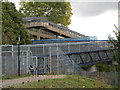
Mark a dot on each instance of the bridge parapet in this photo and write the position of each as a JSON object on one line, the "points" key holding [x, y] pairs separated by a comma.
{"points": [[51, 28]]}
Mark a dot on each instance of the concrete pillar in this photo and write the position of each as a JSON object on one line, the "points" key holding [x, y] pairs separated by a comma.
{"points": [[57, 36], [38, 34], [38, 37], [92, 69]]}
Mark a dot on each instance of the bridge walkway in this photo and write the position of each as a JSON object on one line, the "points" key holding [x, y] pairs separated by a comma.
{"points": [[58, 58]]}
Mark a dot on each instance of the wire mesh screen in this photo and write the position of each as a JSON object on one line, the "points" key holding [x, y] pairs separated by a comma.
{"points": [[56, 58]]}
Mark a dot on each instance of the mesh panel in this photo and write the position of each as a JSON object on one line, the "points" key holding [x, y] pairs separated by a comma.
{"points": [[51, 58]]}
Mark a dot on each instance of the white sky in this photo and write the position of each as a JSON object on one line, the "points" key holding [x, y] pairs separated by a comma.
{"points": [[100, 25]]}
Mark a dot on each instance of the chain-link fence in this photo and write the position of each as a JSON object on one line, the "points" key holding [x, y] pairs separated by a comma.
{"points": [[46, 58]]}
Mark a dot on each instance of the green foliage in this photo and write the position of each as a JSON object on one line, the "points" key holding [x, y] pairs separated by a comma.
{"points": [[0, 22], [116, 42], [12, 25], [104, 67], [57, 12]]}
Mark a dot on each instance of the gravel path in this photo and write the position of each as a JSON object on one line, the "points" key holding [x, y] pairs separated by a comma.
{"points": [[6, 83]]}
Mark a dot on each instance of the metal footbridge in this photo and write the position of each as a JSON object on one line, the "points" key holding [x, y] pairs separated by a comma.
{"points": [[61, 58]]}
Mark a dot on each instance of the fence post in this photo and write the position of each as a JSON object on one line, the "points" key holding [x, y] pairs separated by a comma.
{"points": [[18, 59], [12, 50], [79, 46], [0, 66], [29, 54], [36, 65], [44, 59], [50, 59], [57, 59], [68, 47], [27, 61]]}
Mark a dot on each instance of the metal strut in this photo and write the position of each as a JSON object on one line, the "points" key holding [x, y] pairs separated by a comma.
{"points": [[90, 57], [81, 58]]}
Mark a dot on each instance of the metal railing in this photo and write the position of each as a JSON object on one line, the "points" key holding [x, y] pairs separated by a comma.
{"points": [[45, 58]]}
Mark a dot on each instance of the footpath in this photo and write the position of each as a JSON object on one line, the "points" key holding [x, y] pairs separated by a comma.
{"points": [[7, 83]]}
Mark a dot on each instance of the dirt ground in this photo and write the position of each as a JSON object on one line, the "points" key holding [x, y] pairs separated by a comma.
{"points": [[7, 83]]}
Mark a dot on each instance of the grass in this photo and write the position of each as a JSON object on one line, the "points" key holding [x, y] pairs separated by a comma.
{"points": [[71, 81], [4, 77], [14, 77]]}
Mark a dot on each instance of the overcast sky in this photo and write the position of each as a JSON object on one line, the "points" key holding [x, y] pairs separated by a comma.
{"points": [[93, 18], [88, 9]]}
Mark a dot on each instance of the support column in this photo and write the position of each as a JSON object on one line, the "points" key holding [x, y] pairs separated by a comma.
{"points": [[38, 34], [92, 69], [38, 37], [57, 36]]}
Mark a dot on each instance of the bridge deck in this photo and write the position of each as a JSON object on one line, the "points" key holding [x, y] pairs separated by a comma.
{"points": [[35, 22]]}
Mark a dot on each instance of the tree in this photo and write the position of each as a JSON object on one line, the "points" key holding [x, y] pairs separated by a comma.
{"points": [[116, 43], [12, 25], [0, 22], [57, 12]]}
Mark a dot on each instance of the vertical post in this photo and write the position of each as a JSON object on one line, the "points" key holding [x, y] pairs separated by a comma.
{"points": [[44, 59], [57, 59], [88, 47], [36, 65], [38, 34], [73, 64], [27, 61], [0, 46], [50, 59], [96, 44], [28, 58], [12, 50], [68, 48], [1, 66], [18, 59], [79, 47], [18, 56], [57, 36]]}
